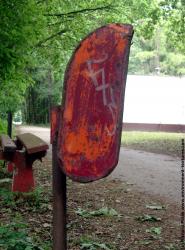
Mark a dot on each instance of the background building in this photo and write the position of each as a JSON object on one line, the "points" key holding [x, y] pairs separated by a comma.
{"points": [[154, 103]]}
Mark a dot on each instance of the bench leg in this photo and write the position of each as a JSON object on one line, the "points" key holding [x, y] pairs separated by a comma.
{"points": [[23, 180]]}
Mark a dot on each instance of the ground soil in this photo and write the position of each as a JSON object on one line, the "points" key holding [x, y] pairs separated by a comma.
{"points": [[124, 231], [120, 232]]}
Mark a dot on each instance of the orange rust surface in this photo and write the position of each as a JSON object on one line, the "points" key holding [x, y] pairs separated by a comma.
{"points": [[90, 129], [55, 118]]}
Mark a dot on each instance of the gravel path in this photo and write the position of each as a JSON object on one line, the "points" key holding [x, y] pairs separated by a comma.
{"points": [[153, 173]]}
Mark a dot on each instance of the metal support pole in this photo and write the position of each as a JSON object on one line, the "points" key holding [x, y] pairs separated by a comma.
{"points": [[9, 127], [59, 203]]}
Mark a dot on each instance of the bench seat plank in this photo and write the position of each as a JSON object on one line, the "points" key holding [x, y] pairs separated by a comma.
{"points": [[7, 144], [32, 143]]}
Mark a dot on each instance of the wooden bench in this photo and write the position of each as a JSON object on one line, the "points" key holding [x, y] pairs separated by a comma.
{"points": [[32, 143], [21, 154], [7, 144]]}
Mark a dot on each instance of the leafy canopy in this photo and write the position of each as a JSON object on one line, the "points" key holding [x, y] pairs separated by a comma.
{"points": [[37, 38], [21, 24]]}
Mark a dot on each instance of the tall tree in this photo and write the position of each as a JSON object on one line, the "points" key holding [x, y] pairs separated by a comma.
{"points": [[37, 38], [21, 25], [68, 22], [173, 12]]}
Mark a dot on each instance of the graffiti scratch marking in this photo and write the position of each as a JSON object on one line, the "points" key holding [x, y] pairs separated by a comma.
{"points": [[104, 87]]}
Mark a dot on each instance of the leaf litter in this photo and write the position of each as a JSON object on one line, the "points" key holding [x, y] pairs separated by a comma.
{"points": [[101, 211]]}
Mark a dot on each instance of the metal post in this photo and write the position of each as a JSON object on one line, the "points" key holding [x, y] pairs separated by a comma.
{"points": [[59, 203], [9, 127]]}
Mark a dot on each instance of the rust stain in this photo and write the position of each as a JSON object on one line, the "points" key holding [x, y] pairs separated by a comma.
{"points": [[55, 113], [90, 129], [85, 144]]}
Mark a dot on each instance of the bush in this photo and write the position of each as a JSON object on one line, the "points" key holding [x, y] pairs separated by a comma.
{"points": [[3, 130], [3, 127]]}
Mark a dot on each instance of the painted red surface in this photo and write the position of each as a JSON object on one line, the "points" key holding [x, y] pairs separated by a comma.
{"points": [[91, 120], [23, 180], [10, 167], [20, 162]]}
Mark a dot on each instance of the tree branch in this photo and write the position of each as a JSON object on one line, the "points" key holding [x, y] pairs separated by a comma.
{"points": [[108, 7], [51, 37], [40, 1]]}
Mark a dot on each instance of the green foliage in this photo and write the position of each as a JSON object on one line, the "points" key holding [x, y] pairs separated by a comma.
{"points": [[33, 200], [145, 242], [4, 174], [14, 236], [88, 244], [18, 116], [41, 97], [3, 127], [7, 198], [20, 28], [147, 217], [100, 212], [174, 64], [171, 247], [149, 55], [67, 23], [154, 230], [37, 39], [3, 130], [174, 15]]}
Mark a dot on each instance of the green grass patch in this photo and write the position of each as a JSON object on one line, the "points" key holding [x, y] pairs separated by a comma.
{"points": [[14, 236], [156, 142], [87, 243], [16, 233], [104, 211]]}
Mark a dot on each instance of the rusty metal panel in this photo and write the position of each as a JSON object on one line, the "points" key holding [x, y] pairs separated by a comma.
{"points": [[55, 119], [91, 120]]}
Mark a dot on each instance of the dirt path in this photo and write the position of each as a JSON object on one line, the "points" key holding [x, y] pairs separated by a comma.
{"points": [[152, 173]]}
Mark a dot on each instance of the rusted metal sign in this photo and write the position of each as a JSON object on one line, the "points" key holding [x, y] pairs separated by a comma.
{"points": [[92, 109]]}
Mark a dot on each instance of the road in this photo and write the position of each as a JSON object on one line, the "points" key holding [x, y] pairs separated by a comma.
{"points": [[153, 173]]}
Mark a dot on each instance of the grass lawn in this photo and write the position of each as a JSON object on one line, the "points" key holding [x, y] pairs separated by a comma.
{"points": [[156, 142]]}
